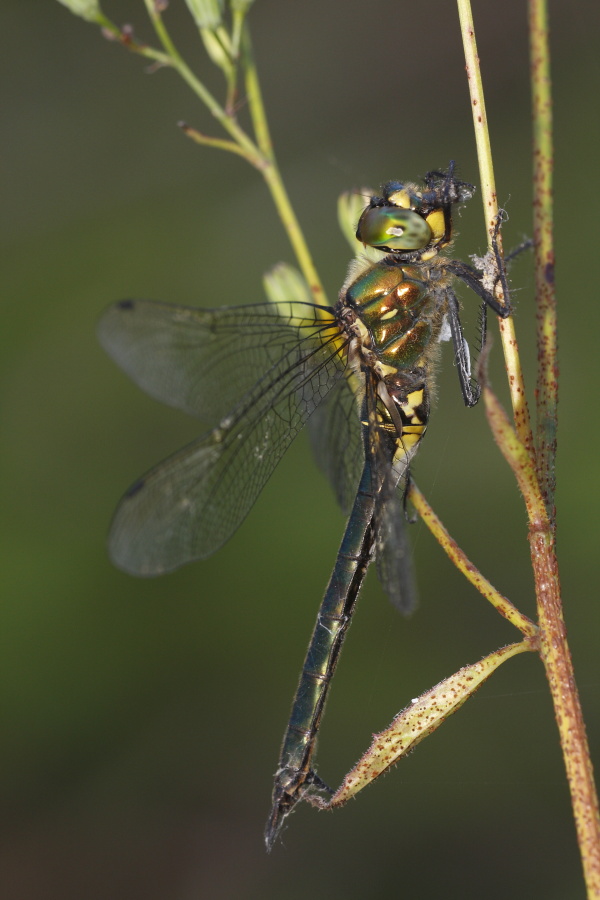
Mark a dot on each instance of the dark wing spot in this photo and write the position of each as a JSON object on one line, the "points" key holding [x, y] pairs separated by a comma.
{"points": [[135, 487]]}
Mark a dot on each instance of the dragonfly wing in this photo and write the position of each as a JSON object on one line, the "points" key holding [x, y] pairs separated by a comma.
{"points": [[189, 505], [392, 548], [203, 360], [337, 442], [395, 568]]}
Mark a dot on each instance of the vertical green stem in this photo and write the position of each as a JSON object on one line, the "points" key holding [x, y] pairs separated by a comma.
{"points": [[255, 99], [547, 378], [272, 176], [464, 565], [554, 649], [262, 156], [490, 209], [294, 232], [558, 664]]}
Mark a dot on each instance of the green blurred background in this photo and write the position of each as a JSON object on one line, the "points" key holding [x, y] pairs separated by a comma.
{"points": [[142, 719]]}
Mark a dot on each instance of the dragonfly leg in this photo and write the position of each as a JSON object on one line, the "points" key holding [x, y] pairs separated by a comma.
{"points": [[469, 387], [411, 518], [527, 244], [492, 268], [473, 278], [291, 785]]}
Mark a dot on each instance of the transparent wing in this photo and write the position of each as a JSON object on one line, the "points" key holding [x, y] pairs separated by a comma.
{"points": [[337, 442], [392, 547], [203, 360], [189, 505], [395, 568]]}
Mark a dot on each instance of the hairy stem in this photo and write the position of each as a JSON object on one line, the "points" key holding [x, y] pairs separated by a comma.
{"points": [[556, 657], [547, 378], [490, 210], [471, 573], [535, 474]]}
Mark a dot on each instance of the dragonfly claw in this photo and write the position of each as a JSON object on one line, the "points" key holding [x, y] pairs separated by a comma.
{"points": [[299, 787]]}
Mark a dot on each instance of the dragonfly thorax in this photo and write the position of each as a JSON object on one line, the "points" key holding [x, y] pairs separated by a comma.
{"points": [[397, 313]]}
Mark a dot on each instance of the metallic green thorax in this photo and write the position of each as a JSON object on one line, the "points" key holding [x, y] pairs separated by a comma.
{"points": [[398, 310]]}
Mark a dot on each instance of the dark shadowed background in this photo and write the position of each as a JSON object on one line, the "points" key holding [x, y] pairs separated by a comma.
{"points": [[142, 719]]}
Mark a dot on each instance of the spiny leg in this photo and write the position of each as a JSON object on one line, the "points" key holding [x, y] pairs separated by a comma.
{"points": [[524, 245], [474, 277], [468, 386]]}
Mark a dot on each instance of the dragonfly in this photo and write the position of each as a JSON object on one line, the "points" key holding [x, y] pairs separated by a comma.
{"points": [[359, 372]]}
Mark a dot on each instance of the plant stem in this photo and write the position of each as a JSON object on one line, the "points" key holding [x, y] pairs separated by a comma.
{"points": [[490, 210], [471, 573], [517, 444], [113, 33], [217, 143], [255, 100], [553, 637], [518, 459], [272, 175], [294, 232], [547, 378], [228, 122], [556, 657], [259, 155]]}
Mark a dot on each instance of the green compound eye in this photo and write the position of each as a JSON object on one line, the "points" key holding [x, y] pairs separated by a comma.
{"points": [[393, 227]]}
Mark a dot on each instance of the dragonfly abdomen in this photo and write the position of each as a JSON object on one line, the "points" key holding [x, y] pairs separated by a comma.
{"points": [[402, 415]]}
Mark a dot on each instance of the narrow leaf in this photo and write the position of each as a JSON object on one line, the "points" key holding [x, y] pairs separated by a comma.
{"points": [[283, 284], [86, 9], [206, 13], [350, 207], [424, 715]]}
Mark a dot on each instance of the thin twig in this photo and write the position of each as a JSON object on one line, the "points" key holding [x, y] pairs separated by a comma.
{"points": [[227, 121], [217, 143], [273, 177], [125, 37], [461, 561], [259, 154]]}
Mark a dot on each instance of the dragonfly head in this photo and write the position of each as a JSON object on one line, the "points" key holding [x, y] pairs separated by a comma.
{"points": [[411, 222]]}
